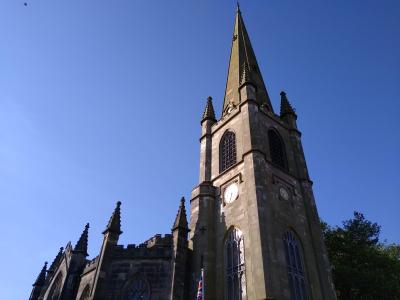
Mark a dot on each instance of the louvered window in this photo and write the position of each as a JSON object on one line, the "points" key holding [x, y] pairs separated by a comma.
{"points": [[235, 276], [295, 267], [277, 149], [227, 151]]}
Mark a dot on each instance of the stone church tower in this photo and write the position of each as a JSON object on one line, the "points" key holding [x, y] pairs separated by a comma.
{"points": [[254, 224], [254, 228]]}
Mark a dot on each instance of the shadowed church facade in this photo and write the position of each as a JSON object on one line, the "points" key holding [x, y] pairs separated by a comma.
{"points": [[254, 227]]}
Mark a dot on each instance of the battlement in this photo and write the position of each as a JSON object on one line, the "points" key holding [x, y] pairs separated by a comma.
{"points": [[157, 246]]}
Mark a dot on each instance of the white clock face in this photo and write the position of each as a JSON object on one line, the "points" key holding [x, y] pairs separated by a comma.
{"points": [[284, 193], [231, 193]]}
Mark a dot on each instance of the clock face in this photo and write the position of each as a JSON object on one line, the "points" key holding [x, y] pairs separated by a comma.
{"points": [[284, 193], [231, 193]]}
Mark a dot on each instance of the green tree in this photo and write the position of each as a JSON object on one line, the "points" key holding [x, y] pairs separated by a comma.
{"points": [[362, 267]]}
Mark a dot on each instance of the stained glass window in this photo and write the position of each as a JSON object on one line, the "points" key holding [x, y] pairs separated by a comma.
{"points": [[277, 149], [138, 289], [227, 151], [235, 277], [295, 267]]}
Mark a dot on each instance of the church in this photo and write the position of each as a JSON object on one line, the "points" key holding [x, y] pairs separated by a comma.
{"points": [[253, 231]]}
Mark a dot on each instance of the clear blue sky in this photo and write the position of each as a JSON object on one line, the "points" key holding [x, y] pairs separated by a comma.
{"points": [[101, 101]]}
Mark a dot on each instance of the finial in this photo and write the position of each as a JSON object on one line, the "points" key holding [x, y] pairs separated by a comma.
{"points": [[56, 260], [114, 224], [238, 6], [180, 220], [286, 107], [40, 280], [82, 244], [209, 113]]}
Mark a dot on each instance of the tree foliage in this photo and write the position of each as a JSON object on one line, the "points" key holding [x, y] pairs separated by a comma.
{"points": [[362, 267]]}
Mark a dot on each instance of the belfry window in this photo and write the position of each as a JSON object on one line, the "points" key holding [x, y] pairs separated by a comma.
{"points": [[277, 150], [138, 289], [235, 277], [227, 151], [295, 267]]}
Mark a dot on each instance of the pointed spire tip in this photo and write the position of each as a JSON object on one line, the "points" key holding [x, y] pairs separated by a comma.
{"points": [[180, 220], [286, 107], [82, 244], [242, 54], [114, 224], [40, 280], [209, 113]]}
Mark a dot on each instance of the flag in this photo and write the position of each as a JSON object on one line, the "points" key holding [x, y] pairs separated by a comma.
{"points": [[200, 288]]}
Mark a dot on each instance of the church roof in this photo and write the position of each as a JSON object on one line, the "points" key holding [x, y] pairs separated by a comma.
{"points": [[114, 224], [242, 57]]}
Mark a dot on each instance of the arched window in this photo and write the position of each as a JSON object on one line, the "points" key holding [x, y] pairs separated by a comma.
{"points": [[85, 294], [235, 276], [277, 149], [295, 267], [55, 291], [227, 151], [137, 289]]}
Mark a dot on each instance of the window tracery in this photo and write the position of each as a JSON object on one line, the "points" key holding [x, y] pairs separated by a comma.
{"points": [[277, 149], [235, 275], [227, 151], [295, 267]]}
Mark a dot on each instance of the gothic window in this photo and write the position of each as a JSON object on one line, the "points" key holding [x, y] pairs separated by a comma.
{"points": [[85, 294], [235, 277], [137, 289], [55, 291], [227, 151], [295, 267], [277, 149]]}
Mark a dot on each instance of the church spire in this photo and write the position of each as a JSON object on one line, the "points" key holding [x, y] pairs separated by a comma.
{"points": [[180, 220], [243, 62], [114, 224], [82, 244]]}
